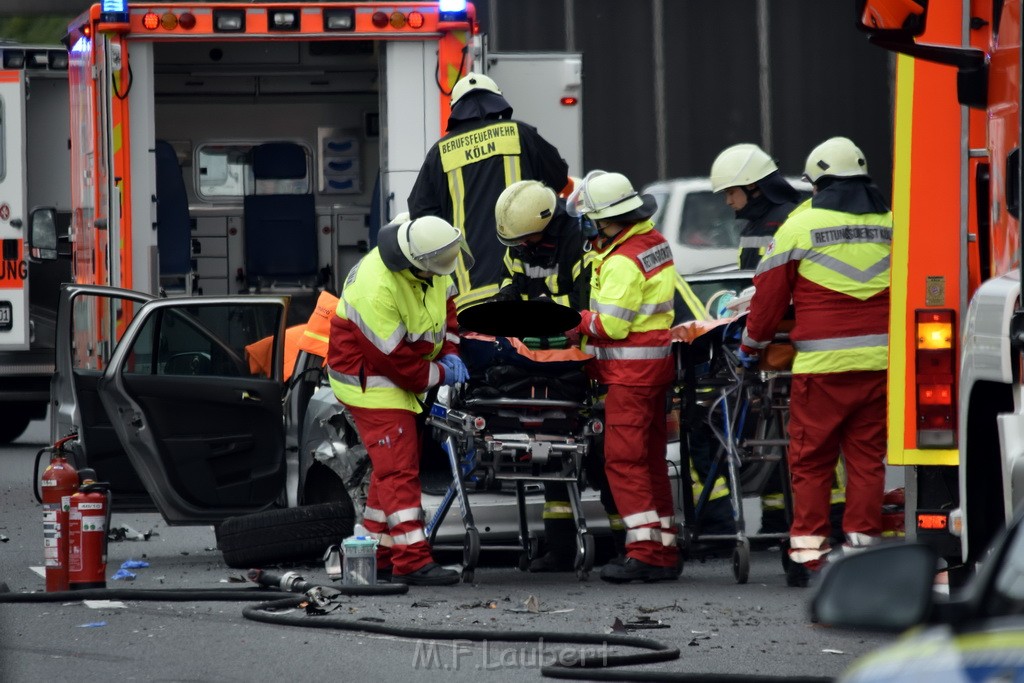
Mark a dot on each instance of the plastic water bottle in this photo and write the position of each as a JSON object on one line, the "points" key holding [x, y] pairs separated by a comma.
{"points": [[359, 563]]}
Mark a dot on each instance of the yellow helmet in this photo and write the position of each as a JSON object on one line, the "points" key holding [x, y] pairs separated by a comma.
{"points": [[432, 244], [740, 165], [523, 208], [470, 82], [837, 157]]}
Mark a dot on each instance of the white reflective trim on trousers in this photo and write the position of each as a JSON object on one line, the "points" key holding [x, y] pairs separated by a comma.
{"points": [[628, 352], [371, 381], [414, 536], [374, 515], [406, 515], [641, 535], [856, 541], [641, 518], [668, 522], [803, 549], [668, 540], [842, 343]]}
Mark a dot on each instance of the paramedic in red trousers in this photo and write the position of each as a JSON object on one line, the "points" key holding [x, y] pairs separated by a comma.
{"points": [[831, 258], [626, 328], [484, 152], [393, 338], [758, 193]]}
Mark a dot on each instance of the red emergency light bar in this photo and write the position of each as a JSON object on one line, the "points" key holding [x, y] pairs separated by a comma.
{"points": [[362, 19]]}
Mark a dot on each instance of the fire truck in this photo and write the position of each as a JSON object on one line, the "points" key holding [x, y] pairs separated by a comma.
{"points": [[34, 171], [956, 418]]}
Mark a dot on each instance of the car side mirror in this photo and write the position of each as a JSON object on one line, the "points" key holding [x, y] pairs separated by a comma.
{"points": [[42, 234], [888, 588], [894, 18]]}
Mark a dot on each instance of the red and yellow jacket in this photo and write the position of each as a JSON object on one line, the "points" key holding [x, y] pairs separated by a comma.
{"points": [[631, 309], [834, 267], [387, 330]]}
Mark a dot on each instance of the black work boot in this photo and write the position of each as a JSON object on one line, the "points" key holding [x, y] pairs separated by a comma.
{"points": [[551, 562], [560, 542], [430, 574], [635, 570], [619, 544], [802, 575]]}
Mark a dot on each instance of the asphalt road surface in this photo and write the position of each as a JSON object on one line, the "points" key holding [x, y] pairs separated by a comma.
{"points": [[760, 628]]}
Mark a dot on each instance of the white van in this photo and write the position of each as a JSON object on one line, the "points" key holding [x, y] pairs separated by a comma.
{"points": [[703, 231]]}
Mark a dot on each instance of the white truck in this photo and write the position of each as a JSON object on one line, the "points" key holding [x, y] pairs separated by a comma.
{"points": [[34, 171]]}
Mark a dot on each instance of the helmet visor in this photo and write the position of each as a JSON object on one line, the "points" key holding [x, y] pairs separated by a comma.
{"points": [[444, 260]]}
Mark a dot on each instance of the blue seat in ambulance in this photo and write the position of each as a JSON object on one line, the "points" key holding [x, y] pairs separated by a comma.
{"points": [[173, 224], [280, 219]]}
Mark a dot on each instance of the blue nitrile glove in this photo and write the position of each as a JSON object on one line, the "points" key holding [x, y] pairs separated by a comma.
{"points": [[456, 367], [749, 361]]}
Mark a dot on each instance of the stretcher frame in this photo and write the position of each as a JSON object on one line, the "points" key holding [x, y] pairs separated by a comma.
{"points": [[732, 395], [516, 455]]}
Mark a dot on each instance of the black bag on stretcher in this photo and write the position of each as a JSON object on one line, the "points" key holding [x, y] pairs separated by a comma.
{"points": [[517, 349]]}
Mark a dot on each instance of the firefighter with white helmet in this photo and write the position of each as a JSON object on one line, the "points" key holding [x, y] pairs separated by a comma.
{"points": [[832, 260], [392, 339], [483, 152], [757, 192], [626, 328]]}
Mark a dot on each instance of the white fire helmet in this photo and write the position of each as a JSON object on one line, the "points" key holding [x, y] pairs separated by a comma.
{"points": [[470, 82], [433, 244], [524, 208], [603, 195], [740, 165], [837, 157]]}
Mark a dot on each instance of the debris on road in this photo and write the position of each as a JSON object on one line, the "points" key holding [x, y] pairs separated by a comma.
{"points": [[104, 604], [126, 533], [532, 606], [93, 624], [134, 564], [123, 575]]}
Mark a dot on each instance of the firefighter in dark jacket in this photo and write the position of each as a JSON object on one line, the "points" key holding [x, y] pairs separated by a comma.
{"points": [[757, 192], [484, 151]]}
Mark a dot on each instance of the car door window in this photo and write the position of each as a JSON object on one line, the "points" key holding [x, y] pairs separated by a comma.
{"points": [[709, 222], [97, 324], [209, 340]]}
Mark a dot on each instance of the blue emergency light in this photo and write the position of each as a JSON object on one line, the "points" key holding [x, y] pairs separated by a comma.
{"points": [[114, 11], [451, 10]]}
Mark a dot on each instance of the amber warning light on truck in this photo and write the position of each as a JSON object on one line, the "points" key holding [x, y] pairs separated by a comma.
{"points": [[935, 371]]}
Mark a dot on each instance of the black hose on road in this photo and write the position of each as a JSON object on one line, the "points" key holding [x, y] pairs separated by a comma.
{"points": [[187, 595]]}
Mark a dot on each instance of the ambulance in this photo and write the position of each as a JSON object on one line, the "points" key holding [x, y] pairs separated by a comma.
{"points": [[956, 416], [34, 171], [231, 162]]}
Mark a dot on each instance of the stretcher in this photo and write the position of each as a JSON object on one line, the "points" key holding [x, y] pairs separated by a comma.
{"points": [[519, 422], [747, 412]]}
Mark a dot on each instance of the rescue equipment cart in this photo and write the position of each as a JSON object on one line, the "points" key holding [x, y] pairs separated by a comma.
{"points": [[746, 411], [539, 426]]}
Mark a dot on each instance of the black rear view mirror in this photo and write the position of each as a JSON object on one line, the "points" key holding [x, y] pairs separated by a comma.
{"points": [[42, 234]]}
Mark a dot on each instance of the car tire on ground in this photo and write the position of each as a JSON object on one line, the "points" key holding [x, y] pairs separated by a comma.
{"points": [[14, 424], [288, 535]]}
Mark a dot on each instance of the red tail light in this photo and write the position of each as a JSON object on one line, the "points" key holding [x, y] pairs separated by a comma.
{"points": [[935, 378]]}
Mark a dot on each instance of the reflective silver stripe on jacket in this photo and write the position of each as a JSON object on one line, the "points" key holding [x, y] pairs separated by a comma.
{"points": [[842, 343], [752, 343], [824, 260], [406, 515], [372, 381], [539, 271], [619, 312], [386, 346], [641, 518], [629, 352], [755, 242], [414, 536]]}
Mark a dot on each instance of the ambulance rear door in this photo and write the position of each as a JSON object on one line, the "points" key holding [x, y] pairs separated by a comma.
{"points": [[545, 90]]}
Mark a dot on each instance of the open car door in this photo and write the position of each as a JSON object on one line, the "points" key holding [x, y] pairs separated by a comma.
{"points": [[196, 416]]}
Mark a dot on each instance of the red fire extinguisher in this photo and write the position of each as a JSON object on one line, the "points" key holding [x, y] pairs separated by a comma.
{"points": [[88, 520], [58, 483]]}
